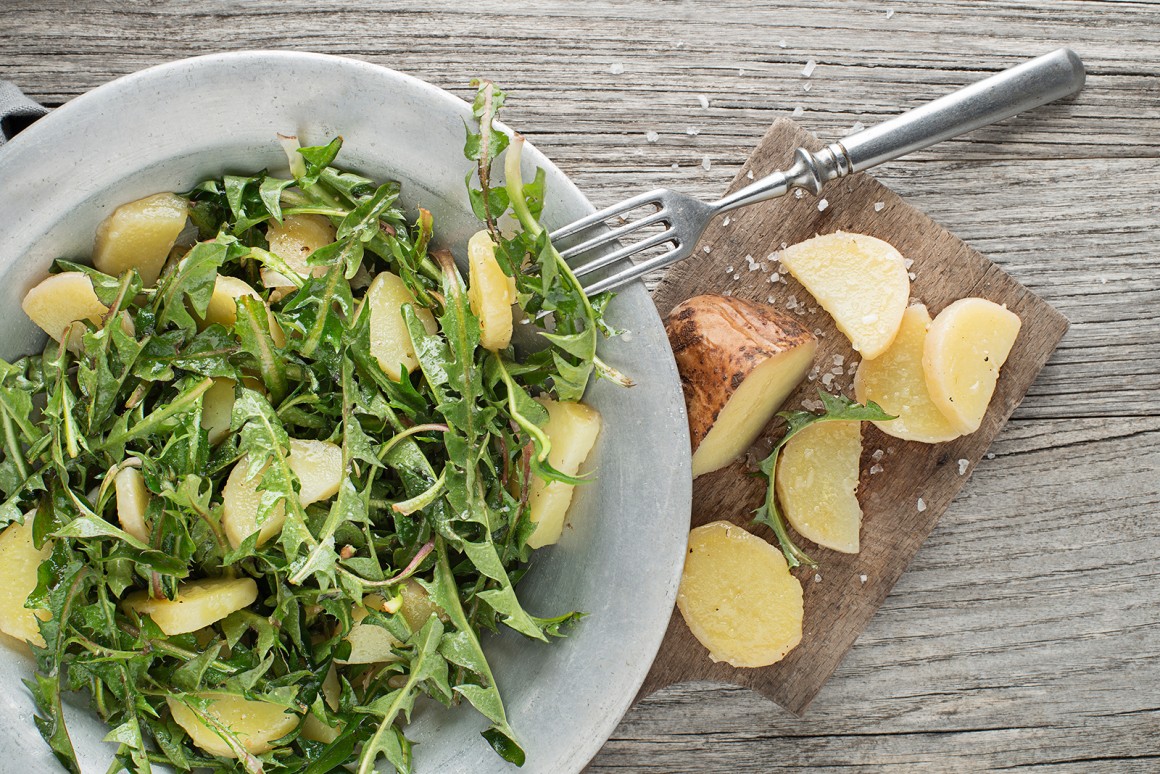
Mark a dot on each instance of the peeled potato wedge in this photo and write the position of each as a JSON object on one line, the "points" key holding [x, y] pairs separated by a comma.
{"points": [[255, 723], [139, 235], [572, 428], [369, 643], [316, 464], [19, 561], [738, 362], [61, 299], [965, 347], [132, 500], [490, 292], [223, 306], [217, 407], [816, 480], [296, 237], [896, 381], [198, 603], [860, 280], [738, 598], [390, 340]]}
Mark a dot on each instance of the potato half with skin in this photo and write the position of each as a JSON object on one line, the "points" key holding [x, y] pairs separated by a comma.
{"points": [[139, 235], [572, 429], [132, 502], [198, 603], [817, 481], [19, 561], [61, 299], [490, 292], [860, 280], [316, 464], [896, 381], [390, 340], [965, 346], [738, 598], [738, 362], [256, 724], [223, 306]]}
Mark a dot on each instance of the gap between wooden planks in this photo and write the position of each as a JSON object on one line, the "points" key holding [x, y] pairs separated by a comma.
{"points": [[838, 602]]}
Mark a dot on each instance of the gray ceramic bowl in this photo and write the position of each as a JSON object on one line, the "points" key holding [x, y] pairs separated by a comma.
{"points": [[168, 127]]}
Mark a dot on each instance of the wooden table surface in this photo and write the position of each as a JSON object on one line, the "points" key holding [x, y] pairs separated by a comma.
{"points": [[1027, 631]]}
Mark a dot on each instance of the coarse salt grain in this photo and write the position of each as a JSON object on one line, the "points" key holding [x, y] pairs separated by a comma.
{"points": [[728, 269], [889, 12], [823, 204], [876, 469], [817, 577], [912, 276], [692, 131], [616, 69], [806, 87], [879, 206], [862, 578], [963, 465], [808, 70], [706, 164], [781, 43], [857, 127], [836, 370], [798, 193], [726, 221], [877, 455], [749, 174], [651, 136], [920, 505], [737, 276], [827, 379], [798, 112], [908, 262], [990, 455], [703, 100], [676, 165], [839, 359]]}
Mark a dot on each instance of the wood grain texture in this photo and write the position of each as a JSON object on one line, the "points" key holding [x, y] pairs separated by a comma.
{"points": [[1025, 632], [902, 503]]}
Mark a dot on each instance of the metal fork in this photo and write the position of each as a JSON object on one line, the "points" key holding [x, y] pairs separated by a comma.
{"points": [[1018, 89]]}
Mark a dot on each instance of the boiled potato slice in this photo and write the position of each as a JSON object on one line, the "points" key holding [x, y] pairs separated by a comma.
{"points": [[19, 561], [223, 306], [198, 603], [738, 361], [417, 605], [965, 346], [861, 281], [369, 643], [255, 723], [390, 340], [294, 239], [896, 381], [572, 429], [217, 407], [738, 598], [317, 731], [132, 500], [816, 479], [490, 292], [61, 299], [139, 235], [316, 464]]}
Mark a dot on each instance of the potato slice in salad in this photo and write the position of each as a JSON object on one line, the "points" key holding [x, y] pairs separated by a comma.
{"points": [[198, 603], [490, 292], [255, 724], [139, 235], [132, 502], [293, 240], [390, 340], [223, 306], [19, 560], [60, 300], [217, 407], [572, 428]]}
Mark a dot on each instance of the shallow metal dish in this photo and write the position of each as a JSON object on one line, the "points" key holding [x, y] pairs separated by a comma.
{"points": [[170, 126]]}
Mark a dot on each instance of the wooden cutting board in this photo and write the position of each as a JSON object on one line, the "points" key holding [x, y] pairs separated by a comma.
{"points": [[905, 486]]}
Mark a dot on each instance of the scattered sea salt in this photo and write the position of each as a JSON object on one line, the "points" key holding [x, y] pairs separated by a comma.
{"points": [[749, 174], [703, 100], [680, 44], [877, 455], [692, 131], [857, 127], [839, 359], [836, 370], [990, 455], [920, 505], [726, 221], [827, 379], [862, 578], [781, 43], [963, 465], [879, 206], [676, 165], [651, 136], [808, 70], [908, 262], [912, 276], [1103, 280], [798, 112], [823, 204], [806, 87], [798, 193], [616, 69], [875, 469], [728, 269], [706, 248], [889, 12], [737, 276], [817, 577], [706, 163]]}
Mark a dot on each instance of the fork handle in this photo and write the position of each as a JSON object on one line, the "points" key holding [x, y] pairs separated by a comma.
{"points": [[1013, 91]]}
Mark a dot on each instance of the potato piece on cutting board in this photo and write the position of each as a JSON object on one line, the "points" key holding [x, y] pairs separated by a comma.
{"points": [[316, 464], [139, 235], [738, 598], [19, 561], [255, 723], [61, 299], [965, 346], [860, 280], [817, 480], [896, 381], [391, 342], [490, 292], [572, 428], [738, 362], [198, 603]]}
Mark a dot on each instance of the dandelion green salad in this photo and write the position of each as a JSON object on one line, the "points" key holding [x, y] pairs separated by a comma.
{"points": [[279, 467]]}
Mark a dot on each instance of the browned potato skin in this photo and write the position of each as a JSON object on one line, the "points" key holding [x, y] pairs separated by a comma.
{"points": [[717, 341]]}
